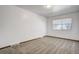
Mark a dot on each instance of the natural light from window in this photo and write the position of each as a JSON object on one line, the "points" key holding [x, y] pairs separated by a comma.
{"points": [[62, 24]]}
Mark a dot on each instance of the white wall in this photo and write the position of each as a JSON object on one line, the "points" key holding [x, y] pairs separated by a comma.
{"points": [[18, 25], [70, 34]]}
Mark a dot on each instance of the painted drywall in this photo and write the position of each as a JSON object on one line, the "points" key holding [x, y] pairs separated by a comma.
{"points": [[70, 34], [18, 25]]}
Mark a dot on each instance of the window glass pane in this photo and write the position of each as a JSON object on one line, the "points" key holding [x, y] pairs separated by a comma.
{"points": [[57, 26], [62, 24]]}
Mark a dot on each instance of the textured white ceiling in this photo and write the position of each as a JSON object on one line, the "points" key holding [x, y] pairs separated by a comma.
{"points": [[53, 11]]}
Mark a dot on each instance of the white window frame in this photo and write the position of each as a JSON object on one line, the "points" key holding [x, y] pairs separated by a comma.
{"points": [[62, 24]]}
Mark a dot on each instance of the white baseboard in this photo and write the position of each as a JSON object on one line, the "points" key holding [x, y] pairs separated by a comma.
{"points": [[25, 40]]}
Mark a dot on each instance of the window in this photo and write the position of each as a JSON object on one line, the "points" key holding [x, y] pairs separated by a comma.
{"points": [[62, 24]]}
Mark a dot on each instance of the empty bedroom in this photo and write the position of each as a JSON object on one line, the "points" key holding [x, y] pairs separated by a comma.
{"points": [[39, 29]]}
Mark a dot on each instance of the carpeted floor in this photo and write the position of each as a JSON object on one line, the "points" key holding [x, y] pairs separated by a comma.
{"points": [[45, 45]]}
